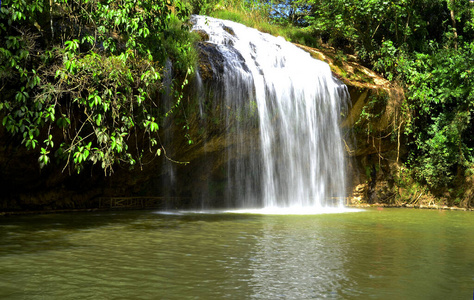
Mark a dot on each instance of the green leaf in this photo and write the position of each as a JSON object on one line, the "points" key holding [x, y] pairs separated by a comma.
{"points": [[153, 126], [72, 46], [98, 119]]}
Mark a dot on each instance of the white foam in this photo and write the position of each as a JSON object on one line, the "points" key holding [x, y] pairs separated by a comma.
{"points": [[296, 210], [268, 211]]}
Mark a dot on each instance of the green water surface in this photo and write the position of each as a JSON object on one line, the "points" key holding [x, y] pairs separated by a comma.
{"points": [[374, 254]]}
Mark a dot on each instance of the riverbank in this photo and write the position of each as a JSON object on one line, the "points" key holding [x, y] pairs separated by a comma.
{"points": [[417, 206]]}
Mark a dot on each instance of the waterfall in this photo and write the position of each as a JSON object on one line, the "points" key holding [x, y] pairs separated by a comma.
{"points": [[271, 86]]}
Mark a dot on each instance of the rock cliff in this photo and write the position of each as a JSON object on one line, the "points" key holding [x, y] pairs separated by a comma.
{"points": [[194, 174], [373, 126]]}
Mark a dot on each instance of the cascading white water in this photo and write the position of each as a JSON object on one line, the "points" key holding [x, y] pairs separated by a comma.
{"points": [[298, 160]]}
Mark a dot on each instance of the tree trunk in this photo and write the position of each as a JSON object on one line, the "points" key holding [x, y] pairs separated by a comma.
{"points": [[453, 22]]}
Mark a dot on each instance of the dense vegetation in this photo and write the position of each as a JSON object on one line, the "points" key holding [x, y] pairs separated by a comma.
{"points": [[80, 81]]}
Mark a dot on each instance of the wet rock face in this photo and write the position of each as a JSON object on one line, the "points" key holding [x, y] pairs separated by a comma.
{"points": [[211, 61], [24, 186], [377, 143], [229, 30], [203, 35]]}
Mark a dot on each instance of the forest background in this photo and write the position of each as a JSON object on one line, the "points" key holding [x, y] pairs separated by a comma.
{"points": [[80, 79]]}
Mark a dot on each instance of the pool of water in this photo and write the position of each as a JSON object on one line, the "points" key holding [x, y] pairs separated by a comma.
{"points": [[372, 254]]}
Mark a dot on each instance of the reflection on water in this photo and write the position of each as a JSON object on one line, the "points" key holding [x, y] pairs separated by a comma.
{"points": [[389, 254], [296, 262]]}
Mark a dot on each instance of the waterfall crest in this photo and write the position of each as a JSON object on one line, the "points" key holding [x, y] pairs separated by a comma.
{"points": [[295, 103]]}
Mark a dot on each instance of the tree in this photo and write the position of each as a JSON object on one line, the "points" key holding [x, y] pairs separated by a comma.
{"points": [[289, 12], [80, 80]]}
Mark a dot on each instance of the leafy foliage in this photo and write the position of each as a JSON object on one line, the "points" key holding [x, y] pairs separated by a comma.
{"points": [[81, 81], [441, 92]]}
